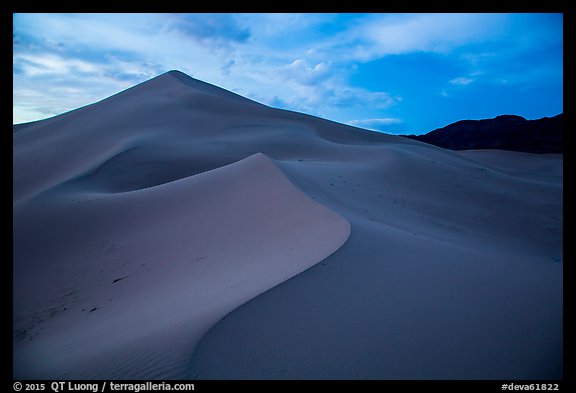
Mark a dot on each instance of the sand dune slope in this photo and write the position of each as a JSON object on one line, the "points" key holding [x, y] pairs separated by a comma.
{"points": [[123, 282], [143, 219], [453, 270]]}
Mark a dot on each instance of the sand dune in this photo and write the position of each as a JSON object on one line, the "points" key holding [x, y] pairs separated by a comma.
{"points": [[137, 263], [142, 220]]}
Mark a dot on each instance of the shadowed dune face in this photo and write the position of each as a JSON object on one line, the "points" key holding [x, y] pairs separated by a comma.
{"points": [[141, 220]]}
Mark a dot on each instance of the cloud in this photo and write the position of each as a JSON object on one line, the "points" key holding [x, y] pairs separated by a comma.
{"points": [[374, 122], [301, 71], [326, 98], [56, 67], [380, 124], [381, 35], [208, 29], [292, 29], [51, 64], [227, 67], [461, 81], [123, 32], [348, 96]]}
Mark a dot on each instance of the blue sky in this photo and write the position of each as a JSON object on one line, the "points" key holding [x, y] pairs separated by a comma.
{"points": [[396, 73]]}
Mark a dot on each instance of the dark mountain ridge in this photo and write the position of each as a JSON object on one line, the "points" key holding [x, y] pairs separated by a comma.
{"points": [[505, 132]]}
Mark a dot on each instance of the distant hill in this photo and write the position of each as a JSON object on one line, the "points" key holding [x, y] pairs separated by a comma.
{"points": [[506, 132]]}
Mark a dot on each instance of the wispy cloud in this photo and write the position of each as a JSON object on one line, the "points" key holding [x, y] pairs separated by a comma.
{"points": [[393, 34], [374, 122], [388, 124], [208, 28], [52, 64], [461, 81], [305, 73]]}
